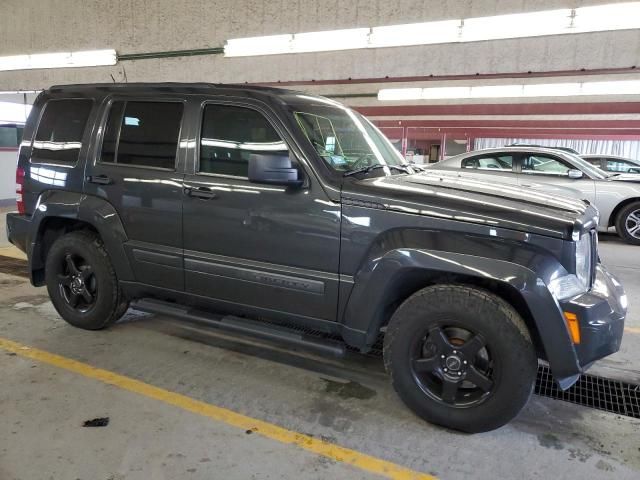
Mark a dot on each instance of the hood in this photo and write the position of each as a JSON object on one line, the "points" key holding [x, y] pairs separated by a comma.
{"points": [[446, 195], [626, 177]]}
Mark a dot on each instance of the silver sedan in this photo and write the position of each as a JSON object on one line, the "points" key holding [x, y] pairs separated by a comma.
{"points": [[617, 196]]}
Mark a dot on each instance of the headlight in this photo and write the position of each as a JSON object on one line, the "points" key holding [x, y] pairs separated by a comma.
{"points": [[566, 287], [583, 260]]}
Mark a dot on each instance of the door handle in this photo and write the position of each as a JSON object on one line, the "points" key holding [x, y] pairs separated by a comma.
{"points": [[99, 179], [201, 192]]}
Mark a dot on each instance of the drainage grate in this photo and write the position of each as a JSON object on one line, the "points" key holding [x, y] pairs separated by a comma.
{"points": [[601, 393], [14, 266]]}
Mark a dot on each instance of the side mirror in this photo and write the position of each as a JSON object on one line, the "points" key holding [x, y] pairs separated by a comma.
{"points": [[575, 174], [273, 168]]}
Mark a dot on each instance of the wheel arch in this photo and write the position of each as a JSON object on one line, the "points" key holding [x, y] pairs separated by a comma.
{"points": [[59, 213], [382, 288], [618, 208]]}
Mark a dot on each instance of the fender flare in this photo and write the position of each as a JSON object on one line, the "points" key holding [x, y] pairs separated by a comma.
{"points": [[376, 282], [90, 209]]}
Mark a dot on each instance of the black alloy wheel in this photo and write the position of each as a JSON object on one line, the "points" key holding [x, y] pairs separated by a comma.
{"points": [[77, 283], [453, 366]]}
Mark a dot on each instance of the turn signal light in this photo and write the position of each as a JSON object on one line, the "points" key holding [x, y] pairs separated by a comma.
{"points": [[573, 325]]}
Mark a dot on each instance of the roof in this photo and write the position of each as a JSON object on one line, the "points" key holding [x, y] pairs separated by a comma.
{"points": [[172, 87]]}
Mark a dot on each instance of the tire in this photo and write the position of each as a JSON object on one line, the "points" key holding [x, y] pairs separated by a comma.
{"points": [[628, 223], [85, 292], [445, 326]]}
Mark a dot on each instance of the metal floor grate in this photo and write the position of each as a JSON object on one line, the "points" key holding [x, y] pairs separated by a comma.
{"points": [[590, 390], [601, 393]]}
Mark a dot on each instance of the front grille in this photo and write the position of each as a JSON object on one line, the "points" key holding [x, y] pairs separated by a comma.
{"points": [[595, 257]]}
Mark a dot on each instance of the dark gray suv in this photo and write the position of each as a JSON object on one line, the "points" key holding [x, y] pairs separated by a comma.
{"points": [[273, 212]]}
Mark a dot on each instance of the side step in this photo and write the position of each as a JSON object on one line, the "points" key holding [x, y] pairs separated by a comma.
{"points": [[244, 326]]}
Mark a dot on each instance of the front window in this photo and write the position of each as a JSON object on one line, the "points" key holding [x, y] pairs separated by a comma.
{"points": [[344, 139]]}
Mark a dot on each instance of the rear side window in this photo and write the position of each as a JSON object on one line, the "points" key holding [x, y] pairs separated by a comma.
{"points": [[492, 162], [230, 135], [59, 135], [143, 134]]}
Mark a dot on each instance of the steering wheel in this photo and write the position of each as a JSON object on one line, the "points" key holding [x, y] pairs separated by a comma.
{"points": [[362, 161]]}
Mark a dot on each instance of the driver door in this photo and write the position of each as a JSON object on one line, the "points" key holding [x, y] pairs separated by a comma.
{"points": [[270, 247], [547, 172]]}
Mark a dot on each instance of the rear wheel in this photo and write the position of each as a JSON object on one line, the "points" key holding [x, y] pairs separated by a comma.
{"points": [[82, 283], [460, 357], [628, 223]]}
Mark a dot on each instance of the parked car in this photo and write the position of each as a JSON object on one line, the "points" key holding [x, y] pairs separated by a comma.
{"points": [[257, 209], [563, 149], [612, 164], [617, 197]]}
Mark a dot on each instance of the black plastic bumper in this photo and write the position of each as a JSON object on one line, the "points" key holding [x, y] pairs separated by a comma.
{"points": [[18, 229], [601, 313]]}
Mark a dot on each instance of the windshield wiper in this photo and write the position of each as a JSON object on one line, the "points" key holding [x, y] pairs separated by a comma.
{"points": [[371, 168]]}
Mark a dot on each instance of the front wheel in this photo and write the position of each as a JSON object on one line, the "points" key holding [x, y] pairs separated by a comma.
{"points": [[81, 282], [628, 223], [460, 357]]}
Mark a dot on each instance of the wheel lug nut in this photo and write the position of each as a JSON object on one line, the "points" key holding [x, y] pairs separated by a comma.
{"points": [[441, 356], [465, 362], [454, 352], [445, 370], [459, 373]]}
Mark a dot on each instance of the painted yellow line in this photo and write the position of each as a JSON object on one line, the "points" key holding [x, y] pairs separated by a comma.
{"points": [[268, 430], [632, 329]]}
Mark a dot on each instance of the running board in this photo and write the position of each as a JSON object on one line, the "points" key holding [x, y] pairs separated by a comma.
{"points": [[244, 326]]}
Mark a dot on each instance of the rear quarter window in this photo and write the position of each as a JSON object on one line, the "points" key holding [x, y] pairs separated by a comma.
{"points": [[59, 135]]}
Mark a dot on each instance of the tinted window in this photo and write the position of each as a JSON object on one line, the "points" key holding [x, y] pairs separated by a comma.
{"points": [[489, 162], [143, 134], [544, 164], [59, 135], [622, 166], [230, 135]]}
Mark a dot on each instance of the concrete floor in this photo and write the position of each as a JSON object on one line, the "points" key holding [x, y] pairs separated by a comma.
{"points": [[347, 402]]}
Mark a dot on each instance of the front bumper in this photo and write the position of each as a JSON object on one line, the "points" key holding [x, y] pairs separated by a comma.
{"points": [[601, 313]]}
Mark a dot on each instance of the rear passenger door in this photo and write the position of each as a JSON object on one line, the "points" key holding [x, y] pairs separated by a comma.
{"points": [[139, 170]]}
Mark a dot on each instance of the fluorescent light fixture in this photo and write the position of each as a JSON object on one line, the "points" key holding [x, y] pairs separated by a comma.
{"points": [[617, 16], [348, 39], [271, 45], [415, 34], [14, 112], [92, 58], [534, 24], [615, 87], [18, 92]]}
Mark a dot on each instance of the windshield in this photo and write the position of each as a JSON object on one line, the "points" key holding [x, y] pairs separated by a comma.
{"points": [[344, 139]]}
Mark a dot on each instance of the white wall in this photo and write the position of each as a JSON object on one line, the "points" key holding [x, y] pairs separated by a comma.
{"points": [[8, 174], [31, 26]]}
